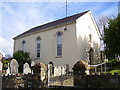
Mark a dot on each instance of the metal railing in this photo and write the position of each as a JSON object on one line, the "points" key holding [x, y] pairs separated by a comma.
{"points": [[101, 67]]}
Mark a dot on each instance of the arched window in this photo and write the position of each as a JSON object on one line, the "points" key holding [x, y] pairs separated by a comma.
{"points": [[38, 46], [59, 44], [23, 45]]}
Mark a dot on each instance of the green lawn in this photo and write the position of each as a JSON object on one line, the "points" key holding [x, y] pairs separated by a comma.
{"points": [[115, 69]]}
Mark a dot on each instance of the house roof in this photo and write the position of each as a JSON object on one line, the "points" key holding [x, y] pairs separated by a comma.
{"points": [[51, 24]]}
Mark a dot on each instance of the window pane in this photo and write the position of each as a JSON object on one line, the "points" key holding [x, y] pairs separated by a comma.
{"points": [[38, 47], [59, 44], [23, 46], [59, 40], [59, 50], [59, 34], [38, 54]]}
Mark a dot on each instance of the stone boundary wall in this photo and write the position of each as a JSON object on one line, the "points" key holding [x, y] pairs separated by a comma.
{"points": [[97, 81]]}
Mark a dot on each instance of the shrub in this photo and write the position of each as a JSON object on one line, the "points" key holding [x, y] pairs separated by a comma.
{"points": [[22, 57]]}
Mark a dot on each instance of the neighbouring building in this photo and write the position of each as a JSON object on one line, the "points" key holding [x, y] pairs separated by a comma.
{"points": [[62, 42]]}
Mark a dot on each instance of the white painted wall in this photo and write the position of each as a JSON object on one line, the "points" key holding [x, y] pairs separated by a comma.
{"points": [[85, 25], [75, 42], [49, 45]]}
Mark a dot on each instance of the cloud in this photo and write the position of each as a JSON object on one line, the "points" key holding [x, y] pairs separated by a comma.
{"points": [[60, 0], [18, 17], [6, 46]]}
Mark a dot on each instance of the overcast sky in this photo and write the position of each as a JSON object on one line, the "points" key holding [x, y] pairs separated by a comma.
{"points": [[18, 17]]}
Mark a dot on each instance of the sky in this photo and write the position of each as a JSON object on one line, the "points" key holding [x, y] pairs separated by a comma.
{"points": [[18, 17]]}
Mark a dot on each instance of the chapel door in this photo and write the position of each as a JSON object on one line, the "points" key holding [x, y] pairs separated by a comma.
{"points": [[91, 56]]}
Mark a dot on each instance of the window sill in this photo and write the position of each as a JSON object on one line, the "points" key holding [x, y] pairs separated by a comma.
{"points": [[59, 57], [37, 58]]}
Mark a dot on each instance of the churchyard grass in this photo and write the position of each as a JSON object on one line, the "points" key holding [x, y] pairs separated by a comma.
{"points": [[115, 70], [114, 66]]}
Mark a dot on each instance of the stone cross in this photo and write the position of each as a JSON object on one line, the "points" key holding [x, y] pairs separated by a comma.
{"points": [[14, 66], [26, 68]]}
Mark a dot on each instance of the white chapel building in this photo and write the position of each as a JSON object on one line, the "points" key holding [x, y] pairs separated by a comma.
{"points": [[62, 42]]}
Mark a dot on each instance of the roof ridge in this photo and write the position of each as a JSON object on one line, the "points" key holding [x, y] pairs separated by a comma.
{"points": [[62, 18], [53, 23]]}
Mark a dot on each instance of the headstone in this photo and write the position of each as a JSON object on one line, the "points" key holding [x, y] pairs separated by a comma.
{"points": [[1, 56], [43, 70], [14, 66], [67, 68], [63, 70], [57, 71], [32, 63], [1, 65], [48, 74], [8, 70], [26, 68], [118, 57]]}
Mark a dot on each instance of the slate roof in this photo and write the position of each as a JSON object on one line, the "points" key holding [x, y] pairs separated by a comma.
{"points": [[51, 24]]}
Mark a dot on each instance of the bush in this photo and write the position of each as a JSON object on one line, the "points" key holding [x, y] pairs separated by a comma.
{"points": [[22, 57], [5, 64]]}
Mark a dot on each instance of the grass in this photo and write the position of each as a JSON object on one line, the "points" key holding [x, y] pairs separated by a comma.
{"points": [[115, 69], [113, 66]]}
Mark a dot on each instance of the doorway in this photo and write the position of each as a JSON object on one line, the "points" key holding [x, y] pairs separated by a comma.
{"points": [[91, 56]]}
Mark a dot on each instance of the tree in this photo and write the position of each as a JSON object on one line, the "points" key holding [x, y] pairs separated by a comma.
{"points": [[112, 38], [102, 22], [22, 57]]}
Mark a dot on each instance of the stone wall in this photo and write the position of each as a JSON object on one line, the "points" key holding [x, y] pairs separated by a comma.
{"points": [[97, 81]]}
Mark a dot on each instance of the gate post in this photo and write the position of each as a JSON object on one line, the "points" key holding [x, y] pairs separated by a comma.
{"points": [[81, 69]]}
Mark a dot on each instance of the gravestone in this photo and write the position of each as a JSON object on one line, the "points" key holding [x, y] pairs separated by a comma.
{"points": [[8, 70], [26, 68], [14, 66], [1, 65], [1, 56], [32, 63], [57, 71], [63, 70]]}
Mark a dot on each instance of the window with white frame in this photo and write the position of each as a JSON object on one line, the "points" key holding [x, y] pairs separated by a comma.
{"points": [[59, 44], [38, 46], [23, 45]]}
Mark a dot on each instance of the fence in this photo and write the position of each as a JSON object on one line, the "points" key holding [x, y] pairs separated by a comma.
{"points": [[63, 79], [23, 81], [99, 68]]}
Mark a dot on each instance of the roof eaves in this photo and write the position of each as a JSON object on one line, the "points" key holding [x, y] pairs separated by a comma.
{"points": [[51, 24]]}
